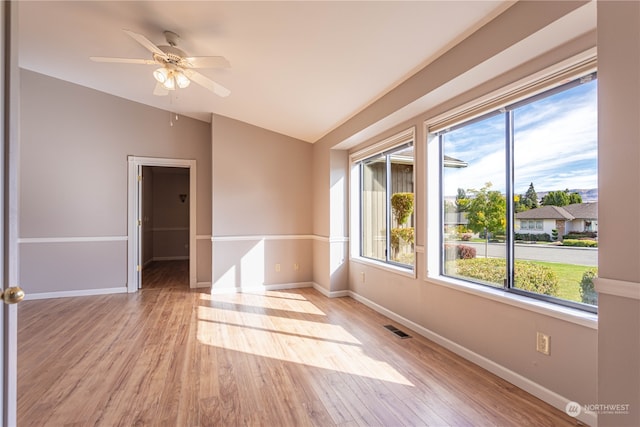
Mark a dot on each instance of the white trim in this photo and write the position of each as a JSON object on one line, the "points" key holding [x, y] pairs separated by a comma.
{"points": [[579, 65], [618, 288], [330, 294], [578, 317], [72, 239], [78, 293], [403, 271], [543, 393], [203, 285], [405, 136], [263, 288], [338, 240], [134, 163], [262, 237], [203, 237]]}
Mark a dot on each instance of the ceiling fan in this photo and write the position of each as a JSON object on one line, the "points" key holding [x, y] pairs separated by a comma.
{"points": [[177, 70]]}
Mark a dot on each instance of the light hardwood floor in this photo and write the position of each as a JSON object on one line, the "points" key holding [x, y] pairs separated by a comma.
{"points": [[169, 356]]}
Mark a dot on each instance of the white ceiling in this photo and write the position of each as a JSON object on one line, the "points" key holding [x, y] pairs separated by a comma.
{"points": [[299, 68]]}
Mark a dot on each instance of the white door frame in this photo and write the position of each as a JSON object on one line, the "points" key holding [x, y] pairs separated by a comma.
{"points": [[134, 201], [9, 163]]}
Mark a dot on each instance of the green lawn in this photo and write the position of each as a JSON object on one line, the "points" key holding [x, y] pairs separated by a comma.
{"points": [[569, 277]]}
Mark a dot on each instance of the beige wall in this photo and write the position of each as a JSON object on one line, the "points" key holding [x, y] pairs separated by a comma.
{"points": [[498, 335], [619, 228], [73, 182], [262, 207]]}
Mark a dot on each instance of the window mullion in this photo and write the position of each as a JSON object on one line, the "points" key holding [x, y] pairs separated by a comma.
{"points": [[509, 236], [387, 251]]}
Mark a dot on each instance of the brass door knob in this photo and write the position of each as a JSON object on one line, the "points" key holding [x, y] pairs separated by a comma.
{"points": [[13, 295]]}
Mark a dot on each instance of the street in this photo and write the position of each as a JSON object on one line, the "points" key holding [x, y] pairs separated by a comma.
{"points": [[538, 252]]}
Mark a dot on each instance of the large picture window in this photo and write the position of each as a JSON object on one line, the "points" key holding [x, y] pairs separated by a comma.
{"points": [[386, 206], [519, 196]]}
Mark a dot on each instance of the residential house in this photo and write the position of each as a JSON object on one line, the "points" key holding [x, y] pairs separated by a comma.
{"points": [[264, 198], [577, 217]]}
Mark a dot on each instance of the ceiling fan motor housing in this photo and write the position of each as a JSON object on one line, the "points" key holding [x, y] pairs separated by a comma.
{"points": [[174, 56]]}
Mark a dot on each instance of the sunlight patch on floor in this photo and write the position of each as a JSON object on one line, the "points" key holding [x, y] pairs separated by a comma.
{"points": [[309, 343], [268, 300]]}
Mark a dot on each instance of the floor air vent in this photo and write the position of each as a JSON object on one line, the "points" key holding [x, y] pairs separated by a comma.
{"points": [[397, 332]]}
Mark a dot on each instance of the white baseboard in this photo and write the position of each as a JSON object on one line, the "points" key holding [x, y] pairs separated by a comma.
{"points": [[330, 294], [203, 285], [77, 293], [548, 396], [263, 288]]}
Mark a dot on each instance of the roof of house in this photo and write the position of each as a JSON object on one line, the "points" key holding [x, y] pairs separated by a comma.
{"points": [[583, 210], [545, 212], [569, 212]]}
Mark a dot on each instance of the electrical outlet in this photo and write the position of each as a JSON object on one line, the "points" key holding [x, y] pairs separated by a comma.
{"points": [[543, 343], [277, 268], [296, 267], [362, 277]]}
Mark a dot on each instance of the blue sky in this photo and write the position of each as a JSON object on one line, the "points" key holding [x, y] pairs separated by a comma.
{"points": [[555, 146]]}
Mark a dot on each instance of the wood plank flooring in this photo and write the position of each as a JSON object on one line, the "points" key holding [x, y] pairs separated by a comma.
{"points": [[168, 356]]}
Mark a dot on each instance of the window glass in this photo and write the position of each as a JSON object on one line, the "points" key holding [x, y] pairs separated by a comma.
{"points": [[387, 205], [473, 183], [519, 196], [555, 149]]}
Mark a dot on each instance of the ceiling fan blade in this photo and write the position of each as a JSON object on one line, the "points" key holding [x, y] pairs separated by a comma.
{"points": [[123, 60], [146, 43], [160, 90], [203, 81], [207, 62]]}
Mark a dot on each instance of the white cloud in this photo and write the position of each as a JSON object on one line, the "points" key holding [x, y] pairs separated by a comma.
{"points": [[555, 148]]}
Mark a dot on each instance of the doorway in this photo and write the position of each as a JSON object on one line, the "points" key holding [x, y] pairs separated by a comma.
{"points": [[165, 227], [162, 219]]}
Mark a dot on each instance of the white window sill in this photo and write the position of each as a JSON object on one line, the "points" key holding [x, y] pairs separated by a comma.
{"points": [[567, 314], [403, 271]]}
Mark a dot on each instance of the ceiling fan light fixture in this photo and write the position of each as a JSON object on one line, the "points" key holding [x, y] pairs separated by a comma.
{"points": [[170, 83], [181, 80], [161, 75]]}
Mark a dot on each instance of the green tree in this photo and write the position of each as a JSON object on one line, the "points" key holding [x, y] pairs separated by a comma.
{"points": [[556, 198], [575, 198], [462, 201], [561, 198], [530, 199], [487, 212]]}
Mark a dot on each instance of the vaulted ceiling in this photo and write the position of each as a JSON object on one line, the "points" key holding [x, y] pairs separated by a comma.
{"points": [[300, 68]]}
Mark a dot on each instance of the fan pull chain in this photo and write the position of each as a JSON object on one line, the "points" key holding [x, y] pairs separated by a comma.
{"points": [[171, 118]]}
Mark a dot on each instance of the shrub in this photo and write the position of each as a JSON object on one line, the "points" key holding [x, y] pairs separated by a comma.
{"points": [[459, 252], [587, 289], [533, 237], [580, 243], [466, 237], [528, 276], [466, 252], [402, 206], [461, 229], [581, 235], [405, 234]]}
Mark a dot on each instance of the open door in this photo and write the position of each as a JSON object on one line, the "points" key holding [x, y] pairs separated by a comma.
{"points": [[9, 212]]}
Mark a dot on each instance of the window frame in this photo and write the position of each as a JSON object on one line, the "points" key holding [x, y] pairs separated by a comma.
{"points": [[435, 137], [385, 148]]}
